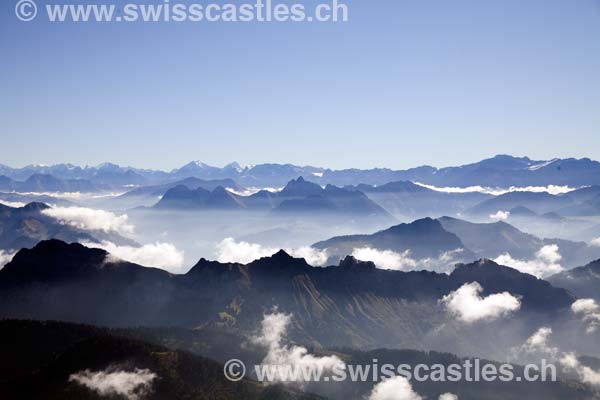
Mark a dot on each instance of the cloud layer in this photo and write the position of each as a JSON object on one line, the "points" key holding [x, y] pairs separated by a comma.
{"points": [[13, 204], [91, 219], [230, 250], [469, 306], [161, 255], [546, 262], [131, 385], [552, 189]]}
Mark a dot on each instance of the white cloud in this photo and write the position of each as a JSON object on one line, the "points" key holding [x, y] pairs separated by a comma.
{"points": [[391, 260], [546, 262], [13, 204], [500, 216], [586, 374], [229, 250], [538, 343], [595, 242], [552, 189], [396, 388], [5, 257], [91, 219], [386, 259], [468, 305], [273, 330], [131, 385], [161, 255], [590, 311], [448, 396]]}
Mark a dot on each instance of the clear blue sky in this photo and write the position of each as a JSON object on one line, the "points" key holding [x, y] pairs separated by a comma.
{"points": [[404, 83]]}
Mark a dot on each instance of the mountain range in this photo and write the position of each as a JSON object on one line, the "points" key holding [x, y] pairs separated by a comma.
{"points": [[499, 171], [352, 304]]}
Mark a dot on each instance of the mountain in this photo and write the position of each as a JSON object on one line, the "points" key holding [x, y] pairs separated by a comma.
{"points": [[537, 202], [26, 226], [584, 281], [491, 240], [40, 357], [499, 171], [353, 304], [425, 238], [41, 183], [298, 196], [407, 200]]}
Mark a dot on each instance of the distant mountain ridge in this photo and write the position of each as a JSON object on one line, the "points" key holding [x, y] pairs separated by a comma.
{"points": [[499, 171]]}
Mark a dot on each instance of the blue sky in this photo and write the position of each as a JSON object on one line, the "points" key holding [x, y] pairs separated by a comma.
{"points": [[404, 83]]}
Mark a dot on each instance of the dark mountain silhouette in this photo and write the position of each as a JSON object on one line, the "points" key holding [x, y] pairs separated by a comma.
{"points": [[583, 282], [425, 238], [353, 304]]}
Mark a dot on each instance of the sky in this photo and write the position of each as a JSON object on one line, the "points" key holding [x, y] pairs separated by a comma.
{"points": [[403, 83]]}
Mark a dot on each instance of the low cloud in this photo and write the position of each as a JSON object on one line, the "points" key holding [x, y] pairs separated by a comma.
{"points": [[469, 306], [595, 242], [391, 260], [273, 331], [396, 388], [448, 396], [538, 344], [585, 373], [131, 385], [500, 216], [161, 255], [230, 250], [546, 262], [91, 219], [5, 257], [552, 189], [589, 310], [13, 204]]}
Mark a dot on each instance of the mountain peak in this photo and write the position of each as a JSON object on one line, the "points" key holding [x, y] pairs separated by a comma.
{"points": [[352, 263]]}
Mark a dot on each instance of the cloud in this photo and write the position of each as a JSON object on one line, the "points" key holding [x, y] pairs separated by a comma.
{"points": [[538, 343], [448, 396], [386, 259], [229, 250], [590, 311], [13, 204], [500, 216], [545, 263], [396, 388], [5, 257], [468, 305], [161, 255], [90, 219], [595, 242], [273, 330], [586, 374], [552, 189], [131, 385], [391, 260]]}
